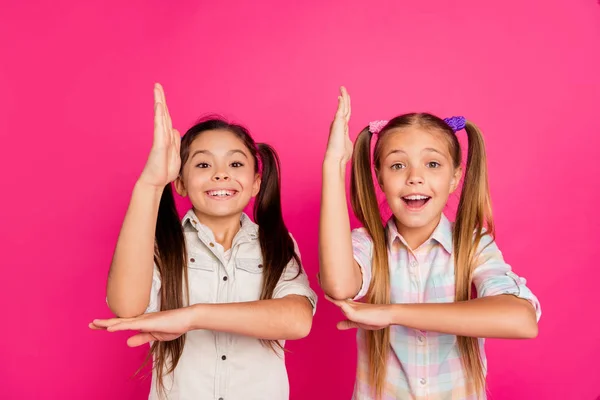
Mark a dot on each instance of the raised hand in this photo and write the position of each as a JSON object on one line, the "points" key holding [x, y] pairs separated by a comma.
{"points": [[164, 162], [339, 145]]}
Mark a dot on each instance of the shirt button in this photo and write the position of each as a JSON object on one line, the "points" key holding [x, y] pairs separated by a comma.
{"points": [[192, 260], [421, 339], [220, 398], [260, 265], [223, 358], [211, 244], [224, 278], [423, 381], [413, 264]]}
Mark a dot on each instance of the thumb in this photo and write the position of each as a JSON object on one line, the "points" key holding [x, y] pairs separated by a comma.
{"points": [[346, 324]]}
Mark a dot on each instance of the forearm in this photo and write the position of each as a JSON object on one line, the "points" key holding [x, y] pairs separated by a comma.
{"points": [[287, 318], [130, 277], [503, 316], [338, 276]]}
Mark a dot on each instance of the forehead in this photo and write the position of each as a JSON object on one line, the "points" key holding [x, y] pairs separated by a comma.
{"points": [[414, 139], [216, 141]]}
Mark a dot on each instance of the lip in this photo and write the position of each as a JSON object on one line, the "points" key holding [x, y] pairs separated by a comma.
{"points": [[415, 209]]}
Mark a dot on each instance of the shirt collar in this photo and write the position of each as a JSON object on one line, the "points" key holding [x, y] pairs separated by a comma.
{"points": [[442, 233], [248, 229]]}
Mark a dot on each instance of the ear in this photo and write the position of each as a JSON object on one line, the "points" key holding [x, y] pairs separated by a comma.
{"points": [[256, 185], [180, 187], [455, 179]]}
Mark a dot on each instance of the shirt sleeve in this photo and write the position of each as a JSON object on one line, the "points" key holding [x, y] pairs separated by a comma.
{"points": [[293, 283], [154, 304], [362, 249], [493, 276]]}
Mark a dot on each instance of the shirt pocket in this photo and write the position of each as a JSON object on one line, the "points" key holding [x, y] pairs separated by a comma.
{"points": [[202, 277], [248, 279]]}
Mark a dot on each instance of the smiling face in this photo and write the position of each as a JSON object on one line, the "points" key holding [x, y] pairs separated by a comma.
{"points": [[219, 175], [417, 174]]}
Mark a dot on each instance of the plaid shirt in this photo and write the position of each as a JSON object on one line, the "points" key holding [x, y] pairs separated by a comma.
{"points": [[427, 365]]}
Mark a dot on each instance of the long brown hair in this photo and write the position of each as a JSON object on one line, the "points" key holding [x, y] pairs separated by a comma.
{"points": [[276, 244], [473, 221]]}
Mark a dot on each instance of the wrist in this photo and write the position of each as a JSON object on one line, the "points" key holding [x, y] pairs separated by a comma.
{"points": [[334, 163], [147, 188], [394, 314], [196, 314]]}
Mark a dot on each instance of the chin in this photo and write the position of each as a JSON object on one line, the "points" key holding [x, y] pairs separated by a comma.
{"points": [[414, 221]]}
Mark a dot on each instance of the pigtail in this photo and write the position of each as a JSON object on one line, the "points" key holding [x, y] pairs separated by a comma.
{"points": [[474, 215], [366, 208]]}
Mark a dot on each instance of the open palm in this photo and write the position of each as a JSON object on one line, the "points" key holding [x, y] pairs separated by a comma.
{"points": [[339, 144], [164, 161]]}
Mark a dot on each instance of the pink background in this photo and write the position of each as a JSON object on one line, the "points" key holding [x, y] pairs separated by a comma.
{"points": [[76, 124]]}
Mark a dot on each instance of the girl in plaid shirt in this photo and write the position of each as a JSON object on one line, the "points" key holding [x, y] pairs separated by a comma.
{"points": [[420, 328]]}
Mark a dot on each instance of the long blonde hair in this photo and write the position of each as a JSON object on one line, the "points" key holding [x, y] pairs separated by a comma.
{"points": [[473, 221]]}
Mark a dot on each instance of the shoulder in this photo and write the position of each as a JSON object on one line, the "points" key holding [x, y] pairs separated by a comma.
{"points": [[361, 235]]}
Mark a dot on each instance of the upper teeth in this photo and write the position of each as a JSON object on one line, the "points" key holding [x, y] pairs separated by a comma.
{"points": [[220, 192], [416, 197]]}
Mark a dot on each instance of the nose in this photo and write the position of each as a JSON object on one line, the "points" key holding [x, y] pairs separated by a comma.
{"points": [[415, 177], [221, 176]]}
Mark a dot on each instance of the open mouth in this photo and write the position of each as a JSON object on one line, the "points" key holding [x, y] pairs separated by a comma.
{"points": [[416, 202], [221, 194]]}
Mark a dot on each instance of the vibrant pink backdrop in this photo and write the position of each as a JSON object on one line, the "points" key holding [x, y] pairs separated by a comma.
{"points": [[76, 124]]}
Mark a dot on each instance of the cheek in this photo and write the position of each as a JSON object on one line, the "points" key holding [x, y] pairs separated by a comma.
{"points": [[392, 182], [246, 179], [441, 183]]}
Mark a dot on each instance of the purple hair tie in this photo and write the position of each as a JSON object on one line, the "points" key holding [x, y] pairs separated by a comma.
{"points": [[376, 126], [456, 123]]}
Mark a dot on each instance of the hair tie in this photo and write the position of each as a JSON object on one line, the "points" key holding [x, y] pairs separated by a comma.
{"points": [[456, 123], [376, 126]]}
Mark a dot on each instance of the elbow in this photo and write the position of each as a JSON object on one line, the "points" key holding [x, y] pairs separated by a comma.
{"points": [[301, 325], [301, 330], [336, 291], [528, 330], [527, 325], [125, 311], [339, 293]]}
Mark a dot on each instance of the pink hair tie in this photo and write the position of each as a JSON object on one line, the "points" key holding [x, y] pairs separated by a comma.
{"points": [[376, 126]]}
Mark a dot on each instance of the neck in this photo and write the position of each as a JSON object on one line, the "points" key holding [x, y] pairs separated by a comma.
{"points": [[224, 229], [415, 237]]}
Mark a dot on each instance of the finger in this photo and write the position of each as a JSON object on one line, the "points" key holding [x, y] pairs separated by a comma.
{"points": [[334, 301], [164, 119], [349, 108], [340, 109], [105, 323], [345, 99], [177, 141], [95, 327], [127, 326], [140, 339], [158, 117], [167, 113], [346, 324]]}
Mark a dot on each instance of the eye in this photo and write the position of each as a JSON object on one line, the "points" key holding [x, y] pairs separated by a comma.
{"points": [[237, 164], [202, 165], [433, 164], [397, 166]]}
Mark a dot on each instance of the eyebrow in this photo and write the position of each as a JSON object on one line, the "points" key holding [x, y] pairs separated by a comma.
{"points": [[230, 152], [428, 149]]}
